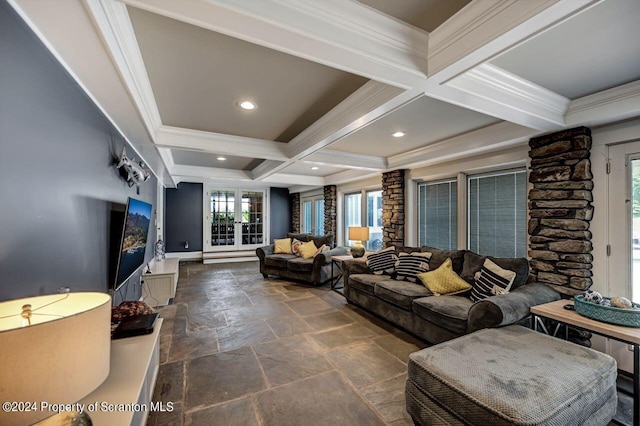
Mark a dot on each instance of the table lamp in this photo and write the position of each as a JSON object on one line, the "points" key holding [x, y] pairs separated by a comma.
{"points": [[358, 234], [54, 349]]}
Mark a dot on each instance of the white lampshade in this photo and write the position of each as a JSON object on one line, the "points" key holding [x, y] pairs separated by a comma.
{"points": [[60, 358], [358, 233]]}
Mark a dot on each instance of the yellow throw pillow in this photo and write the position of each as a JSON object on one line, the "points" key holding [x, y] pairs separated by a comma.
{"points": [[282, 246], [444, 280], [307, 250]]}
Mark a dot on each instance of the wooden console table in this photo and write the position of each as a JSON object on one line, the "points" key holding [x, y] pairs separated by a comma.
{"points": [[160, 285], [631, 336], [134, 369]]}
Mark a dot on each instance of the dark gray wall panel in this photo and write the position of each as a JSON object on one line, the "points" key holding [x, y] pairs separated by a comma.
{"points": [[183, 217], [280, 206], [57, 177]]}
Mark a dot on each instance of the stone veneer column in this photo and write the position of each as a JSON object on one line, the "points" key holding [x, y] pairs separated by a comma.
{"points": [[295, 211], [393, 208], [330, 210], [560, 210]]}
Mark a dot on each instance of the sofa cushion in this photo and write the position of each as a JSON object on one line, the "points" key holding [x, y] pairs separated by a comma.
{"points": [[383, 261], [438, 257], [282, 246], [491, 280], [318, 240], [308, 250], [448, 312], [300, 264], [473, 263], [409, 265], [400, 293], [278, 260], [366, 282], [443, 280]]}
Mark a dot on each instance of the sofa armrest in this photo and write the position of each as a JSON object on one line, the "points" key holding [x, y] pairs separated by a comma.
{"points": [[496, 311], [264, 251], [356, 266], [325, 257]]}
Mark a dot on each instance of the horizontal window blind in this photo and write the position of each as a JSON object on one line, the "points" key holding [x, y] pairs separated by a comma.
{"points": [[438, 214], [497, 213]]}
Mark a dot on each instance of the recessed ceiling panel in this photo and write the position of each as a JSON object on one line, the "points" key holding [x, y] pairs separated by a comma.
{"points": [[198, 76], [597, 50], [424, 121], [424, 14], [205, 159]]}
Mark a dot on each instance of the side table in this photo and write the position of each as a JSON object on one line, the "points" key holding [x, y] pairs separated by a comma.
{"points": [[631, 336], [336, 262]]}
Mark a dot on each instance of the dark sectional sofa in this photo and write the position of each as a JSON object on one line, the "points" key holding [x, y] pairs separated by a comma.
{"points": [[440, 318], [316, 270]]}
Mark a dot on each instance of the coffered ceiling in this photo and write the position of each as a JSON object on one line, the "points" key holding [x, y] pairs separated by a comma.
{"points": [[333, 80]]}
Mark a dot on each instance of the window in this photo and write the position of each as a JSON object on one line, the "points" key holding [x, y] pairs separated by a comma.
{"points": [[352, 213], [374, 220], [313, 216], [438, 214], [497, 213], [364, 209]]}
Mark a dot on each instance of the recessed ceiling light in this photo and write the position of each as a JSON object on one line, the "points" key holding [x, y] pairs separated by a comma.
{"points": [[315, 168], [246, 105], [398, 134], [221, 158]]}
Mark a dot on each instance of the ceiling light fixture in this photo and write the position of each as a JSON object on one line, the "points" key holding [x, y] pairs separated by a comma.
{"points": [[246, 105], [398, 134], [221, 158], [315, 168]]}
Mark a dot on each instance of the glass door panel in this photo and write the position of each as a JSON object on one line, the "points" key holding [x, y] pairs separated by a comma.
{"points": [[252, 218], [222, 218]]}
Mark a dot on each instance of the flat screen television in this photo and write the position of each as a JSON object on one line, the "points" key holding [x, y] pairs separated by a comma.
{"points": [[133, 242]]}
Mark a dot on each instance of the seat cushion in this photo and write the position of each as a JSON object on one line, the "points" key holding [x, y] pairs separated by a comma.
{"points": [[449, 312], [400, 293], [300, 264], [512, 375], [278, 260], [366, 282]]}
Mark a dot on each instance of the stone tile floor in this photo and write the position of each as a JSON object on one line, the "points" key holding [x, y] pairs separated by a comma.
{"points": [[238, 349]]}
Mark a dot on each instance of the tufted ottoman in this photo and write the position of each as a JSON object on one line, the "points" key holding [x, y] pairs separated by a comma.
{"points": [[510, 375]]}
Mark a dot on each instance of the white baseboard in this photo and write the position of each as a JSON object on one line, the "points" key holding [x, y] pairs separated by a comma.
{"points": [[230, 259], [187, 255]]}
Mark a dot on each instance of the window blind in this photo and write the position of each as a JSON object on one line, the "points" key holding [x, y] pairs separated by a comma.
{"points": [[438, 214]]}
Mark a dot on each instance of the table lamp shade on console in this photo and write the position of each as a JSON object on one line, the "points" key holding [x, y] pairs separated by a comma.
{"points": [[358, 234], [54, 349]]}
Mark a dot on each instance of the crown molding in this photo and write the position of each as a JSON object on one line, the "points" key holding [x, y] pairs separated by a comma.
{"points": [[218, 143], [347, 160], [484, 29], [490, 138], [209, 173], [502, 87], [394, 55], [615, 104]]}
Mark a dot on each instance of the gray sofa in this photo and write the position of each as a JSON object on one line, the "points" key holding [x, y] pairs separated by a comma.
{"points": [[316, 270], [440, 318]]}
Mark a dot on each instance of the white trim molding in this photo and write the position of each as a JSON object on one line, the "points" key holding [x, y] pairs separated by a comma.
{"points": [[618, 103]]}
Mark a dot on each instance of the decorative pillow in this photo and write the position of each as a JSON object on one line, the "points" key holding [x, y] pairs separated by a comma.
{"points": [[382, 262], [491, 280], [307, 250], [295, 246], [282, 246], [409, 265], [322, 249], [444, 280]]}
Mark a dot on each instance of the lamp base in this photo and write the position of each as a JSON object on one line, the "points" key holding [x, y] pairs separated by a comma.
{"points": [[357, 250], [67, 418]]}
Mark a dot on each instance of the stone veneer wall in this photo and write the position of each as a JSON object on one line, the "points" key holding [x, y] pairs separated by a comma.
{"points": [[393, 208], [560, 210], [330, 198], [295, 211]]}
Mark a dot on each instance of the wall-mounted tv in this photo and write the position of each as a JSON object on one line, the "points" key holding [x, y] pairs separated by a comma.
{"points": [[133, 243]]}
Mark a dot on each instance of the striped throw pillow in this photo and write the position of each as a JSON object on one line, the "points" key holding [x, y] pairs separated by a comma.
{"points": [[491, 280], [409, 265], [382, 262]]}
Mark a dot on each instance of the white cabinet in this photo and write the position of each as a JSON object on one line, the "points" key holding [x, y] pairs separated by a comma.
{"points": [[160, 285], [125, 398]]}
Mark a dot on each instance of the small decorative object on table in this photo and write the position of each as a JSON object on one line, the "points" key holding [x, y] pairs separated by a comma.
{"points": [[604, 311], [159, 250]]}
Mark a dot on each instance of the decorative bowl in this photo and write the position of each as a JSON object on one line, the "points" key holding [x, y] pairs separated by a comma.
{"points": [[610, 314]]}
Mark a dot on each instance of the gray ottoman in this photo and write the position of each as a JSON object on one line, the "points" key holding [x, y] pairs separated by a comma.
{"points": [[510, 375]]}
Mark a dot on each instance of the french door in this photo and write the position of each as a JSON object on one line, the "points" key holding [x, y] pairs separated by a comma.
{"points": [[234, 219]]}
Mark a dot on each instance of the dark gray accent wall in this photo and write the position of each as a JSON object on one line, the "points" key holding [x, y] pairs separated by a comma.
{"points": [[58, 181], [183, 217], [280, 214]]}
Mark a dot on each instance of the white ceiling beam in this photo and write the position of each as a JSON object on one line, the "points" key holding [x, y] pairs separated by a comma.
{"points": [[347, 159], [344, 35], [615, 104], [210, 172], [484, 29], [348, 176], [288, 179], [218, 143], [266, 168]]}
